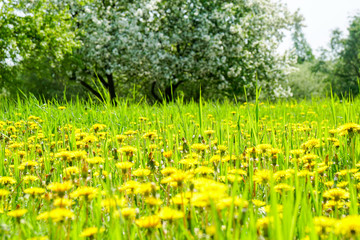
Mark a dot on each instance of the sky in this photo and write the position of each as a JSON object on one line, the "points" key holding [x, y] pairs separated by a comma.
{"points": [[321, 17]]}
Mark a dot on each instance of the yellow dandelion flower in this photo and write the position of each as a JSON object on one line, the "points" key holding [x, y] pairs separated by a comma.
{"points": [[130, 132], [263, 148], [273, 151], [17, 213], [348, 129], [64, 155], [228, 158], [63, 202], [120, 138], [150, 135], [180, 176], [310, 144], [4, 192], [30, 178], [91, 231], [279, 207], [262, 176], [167, 213], [129, 212], [153, 201], [210, 230], [189, 161], [324, 225], [336, 194], [168, 171], [145, 188], [283, 187], [167, 154], [34, 191], [7, 180], [258, 203], [305, 173], [215, 158], [209, 132], [87, 192], [222, 148], [113, 202], [129, 186], [238, 172], [98, 127], [60, 187], [297, 152], [331, 204], [229, 201], [56, 215], [95, 160], [124, 165], [204, 170], [322, 169], [263, 223], [70, 171], [141, 172], [349, 227], [342, 184], [149, 222], [199, 147], [90, 139], [128, 150], [39, 238], [282, 175], [78, 155], [210, 187], [178, 200]]}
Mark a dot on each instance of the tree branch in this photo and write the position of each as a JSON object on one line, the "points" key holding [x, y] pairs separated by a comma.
{"points": [[177, 84], [92, 90], [102, 80], [154, 93]]}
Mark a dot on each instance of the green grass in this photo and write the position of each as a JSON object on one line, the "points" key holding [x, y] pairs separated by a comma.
{"points": [[218, 208]]}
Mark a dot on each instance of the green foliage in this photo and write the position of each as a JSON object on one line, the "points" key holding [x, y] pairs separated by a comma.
{"points": [[305, 83], [303, 50], [35, 37], [162, 46], [347, 68], [342, 63]]}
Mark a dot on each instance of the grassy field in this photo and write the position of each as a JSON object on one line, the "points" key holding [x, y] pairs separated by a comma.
{"points": [[179, 171]]}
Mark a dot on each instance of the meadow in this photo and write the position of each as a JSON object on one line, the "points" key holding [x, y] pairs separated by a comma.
{"points": [[208, 170]]}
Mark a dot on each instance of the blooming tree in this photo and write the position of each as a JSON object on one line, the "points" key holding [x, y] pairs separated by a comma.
{"points": [[35, 31], [163, 46]]}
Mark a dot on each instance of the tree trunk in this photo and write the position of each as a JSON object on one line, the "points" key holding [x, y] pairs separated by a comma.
{"points": [[109, 85], [111, 89]]}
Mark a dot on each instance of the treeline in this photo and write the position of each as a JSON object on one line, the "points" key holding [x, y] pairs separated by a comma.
{"points": [[337, 69], [158, 50]]}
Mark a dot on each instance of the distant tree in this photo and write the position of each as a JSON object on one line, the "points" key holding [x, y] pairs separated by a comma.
{"points": [[336, 43], [346, 58], [35, 36], [341, 63], [160, 46], [302, 48], [164, 45], [305, 83]]}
